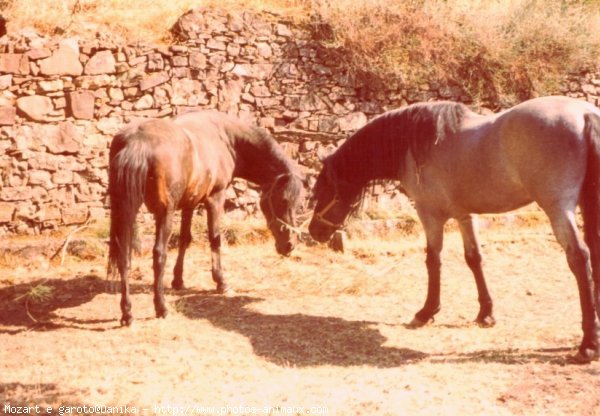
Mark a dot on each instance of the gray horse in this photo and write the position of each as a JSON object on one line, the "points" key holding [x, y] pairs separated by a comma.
{"points": [[454, 163]]}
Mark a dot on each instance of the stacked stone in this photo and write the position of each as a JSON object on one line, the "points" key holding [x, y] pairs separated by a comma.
{"points": [[62, 100], [585, 86]]}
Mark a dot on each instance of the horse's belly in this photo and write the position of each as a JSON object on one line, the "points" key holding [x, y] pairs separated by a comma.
{"points": [[196, 191], [492, 200]]}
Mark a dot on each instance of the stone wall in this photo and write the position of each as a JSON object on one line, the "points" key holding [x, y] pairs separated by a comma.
{"points": [[61, 100]]}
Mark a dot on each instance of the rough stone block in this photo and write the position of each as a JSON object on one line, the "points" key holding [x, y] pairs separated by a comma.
{"points": [[5, 81], [103, 62], [65, 61], [17, 193], [14, 63], [81, 104], [8, 116], [153, 80], [74, 215], [35, 107], [42, 178], [7, 209]]}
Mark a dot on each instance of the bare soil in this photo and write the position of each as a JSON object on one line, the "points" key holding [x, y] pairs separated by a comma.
{"points": [[318, 332]]}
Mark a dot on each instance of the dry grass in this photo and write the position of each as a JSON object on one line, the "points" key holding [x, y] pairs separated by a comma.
{"points": [[315, 329], [499, 51], [136, 20]]}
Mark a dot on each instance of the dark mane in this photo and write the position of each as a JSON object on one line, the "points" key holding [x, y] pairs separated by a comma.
{"points": [[259, 158], [264, 141], [294, 190], [378, 150]]}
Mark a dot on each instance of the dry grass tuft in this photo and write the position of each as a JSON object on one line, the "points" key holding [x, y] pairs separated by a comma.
{"points": [[39, 293], [9, 260]]}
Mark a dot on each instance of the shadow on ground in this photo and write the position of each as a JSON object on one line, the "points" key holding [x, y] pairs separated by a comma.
{"points": [[287, 340], [298, 339], [40, 394], [510, 356], [32, 306]]}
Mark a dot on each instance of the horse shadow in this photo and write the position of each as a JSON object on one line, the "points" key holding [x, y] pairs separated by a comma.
{"points": [[42, 394], [32, 306], [511, 356], [298, 340]]}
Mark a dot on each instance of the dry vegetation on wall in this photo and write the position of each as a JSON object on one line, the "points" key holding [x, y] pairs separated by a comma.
{"points": [[500, 51], [135, 20]]}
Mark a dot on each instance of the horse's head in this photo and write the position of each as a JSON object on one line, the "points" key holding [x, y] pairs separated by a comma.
{"points": [[335, 200], [279, 204]]}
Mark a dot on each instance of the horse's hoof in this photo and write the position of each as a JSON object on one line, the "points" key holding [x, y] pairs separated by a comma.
{"points": [[486, 321], [126, 320], [177, 285], [223, 289], [418, 323], [585, 357]]}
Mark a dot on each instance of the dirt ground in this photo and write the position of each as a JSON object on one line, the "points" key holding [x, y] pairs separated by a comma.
{"points": [[316, 333]]}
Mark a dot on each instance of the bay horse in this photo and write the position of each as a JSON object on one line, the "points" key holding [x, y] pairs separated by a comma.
{"points": [[177, 164], [453, 163]]}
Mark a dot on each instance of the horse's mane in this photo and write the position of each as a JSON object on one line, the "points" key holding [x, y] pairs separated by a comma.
{"points": [[378, 150], [242, 137], [264, 152], [268, 145]]}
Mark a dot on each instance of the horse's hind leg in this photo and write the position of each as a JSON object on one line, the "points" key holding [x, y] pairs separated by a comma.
{"points": [[123, 265], [434, 230], [214, 210], [185, 238], [473, 259], [159, 255], [578, 257], [591, 220]]}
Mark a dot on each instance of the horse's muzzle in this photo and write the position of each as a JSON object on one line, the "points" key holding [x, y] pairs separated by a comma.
{"points": [[285, 249], [319, 232]]}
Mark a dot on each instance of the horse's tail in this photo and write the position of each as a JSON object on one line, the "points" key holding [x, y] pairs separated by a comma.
{"points": [[128, 170], [590, 196]]}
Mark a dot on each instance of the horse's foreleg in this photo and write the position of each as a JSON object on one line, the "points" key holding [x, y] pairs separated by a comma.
{"points": [[473, 259], [578, 258], [434, 230], [214, 209], [159, 256], [185, 238]]}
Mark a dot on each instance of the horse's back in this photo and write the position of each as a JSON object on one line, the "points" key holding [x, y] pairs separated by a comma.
{"points": [[175, 177], [543, 143], [211, 133], [535, 151], [211, 127]]}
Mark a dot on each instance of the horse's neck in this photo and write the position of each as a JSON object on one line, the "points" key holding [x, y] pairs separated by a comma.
{"points": [[369, 157], [258, 163]]}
